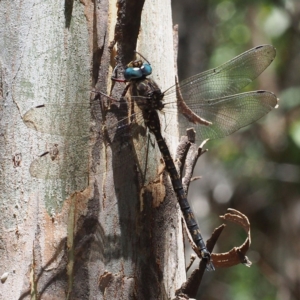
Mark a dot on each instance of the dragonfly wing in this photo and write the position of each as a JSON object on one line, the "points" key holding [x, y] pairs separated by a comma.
{"points": [[69, 119], [132, 134], [67, 157], [62, 160], [228, 114], [225, 80]]}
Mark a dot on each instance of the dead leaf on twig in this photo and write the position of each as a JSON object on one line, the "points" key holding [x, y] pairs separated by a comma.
{"points": [[236, 255]]}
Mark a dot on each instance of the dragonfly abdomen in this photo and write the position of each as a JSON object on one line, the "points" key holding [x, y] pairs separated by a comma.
{"points": [[152, 121]]}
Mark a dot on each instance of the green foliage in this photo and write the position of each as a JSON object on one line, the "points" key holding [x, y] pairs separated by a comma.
{"points": [[247, 287], [260, 164]]}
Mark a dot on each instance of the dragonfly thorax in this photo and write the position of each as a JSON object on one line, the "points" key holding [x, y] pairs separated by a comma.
{"points": [[147, 94]]}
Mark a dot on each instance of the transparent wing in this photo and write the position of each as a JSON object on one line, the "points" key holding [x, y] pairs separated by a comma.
{"points": [[68, 156], [227, 79], [212, 96], [69, 119], [62, 160], [228, 114]]}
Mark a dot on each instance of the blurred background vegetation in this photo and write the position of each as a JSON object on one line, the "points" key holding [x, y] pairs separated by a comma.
{"points": [[255, 170]]}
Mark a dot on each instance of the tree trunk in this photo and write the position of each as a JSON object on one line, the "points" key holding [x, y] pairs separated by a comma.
{"points": [[76, 231]]}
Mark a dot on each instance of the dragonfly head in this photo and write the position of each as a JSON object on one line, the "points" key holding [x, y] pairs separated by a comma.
{"points": [[137, 69]]}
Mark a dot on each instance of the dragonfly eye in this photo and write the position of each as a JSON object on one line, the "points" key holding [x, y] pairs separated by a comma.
{"points": [[146, 69], [132, 73], [137, 72]]}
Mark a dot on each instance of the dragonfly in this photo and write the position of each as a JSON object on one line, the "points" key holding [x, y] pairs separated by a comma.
{"points": [[208, 101]]}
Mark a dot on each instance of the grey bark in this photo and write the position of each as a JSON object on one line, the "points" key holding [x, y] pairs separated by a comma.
{"points": [[101, 236]]}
